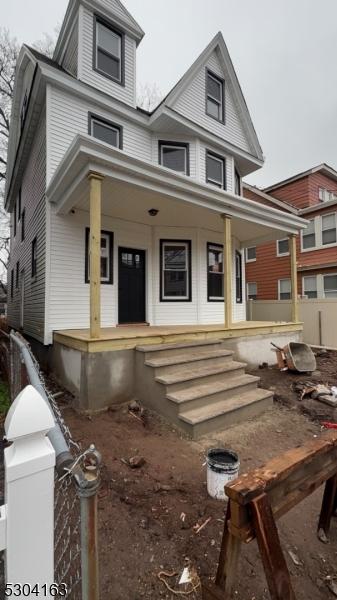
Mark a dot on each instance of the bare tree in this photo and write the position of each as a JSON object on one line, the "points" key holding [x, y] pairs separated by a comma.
{"points": [[149, 96], [46, 44]]}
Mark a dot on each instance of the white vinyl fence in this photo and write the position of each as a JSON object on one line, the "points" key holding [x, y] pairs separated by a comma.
{"points": [[319, 317]]}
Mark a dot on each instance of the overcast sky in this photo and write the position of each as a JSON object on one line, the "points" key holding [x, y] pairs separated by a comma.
{"points": [[284, 53]]}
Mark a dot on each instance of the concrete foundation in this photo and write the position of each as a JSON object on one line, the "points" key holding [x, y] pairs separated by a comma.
{"points": [[257, 349]]}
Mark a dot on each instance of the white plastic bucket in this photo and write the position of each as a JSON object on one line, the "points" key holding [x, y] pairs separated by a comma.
{"points": [[222, 467]]}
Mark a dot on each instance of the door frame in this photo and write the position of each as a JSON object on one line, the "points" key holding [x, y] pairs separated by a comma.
{"points": [[146, 292]]}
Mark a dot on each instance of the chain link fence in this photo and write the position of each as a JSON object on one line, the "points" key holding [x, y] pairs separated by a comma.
{"points": [[76, 483]]}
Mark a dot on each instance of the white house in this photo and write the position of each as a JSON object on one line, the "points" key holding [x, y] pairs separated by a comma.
{"points": [[124, 217]]}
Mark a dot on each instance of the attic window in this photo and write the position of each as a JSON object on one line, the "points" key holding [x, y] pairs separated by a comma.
{"points": [[215, 96], [108, 51]]}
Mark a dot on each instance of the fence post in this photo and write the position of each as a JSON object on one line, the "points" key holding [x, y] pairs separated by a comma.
{"points": [[29, 491]]}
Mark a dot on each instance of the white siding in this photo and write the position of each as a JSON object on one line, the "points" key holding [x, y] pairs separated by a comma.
{"points": [[33, 202], [126, 93], [192, 104], [70, 58], [68, 116], [116, 7]]}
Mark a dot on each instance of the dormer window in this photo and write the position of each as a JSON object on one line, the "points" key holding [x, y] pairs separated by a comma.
{"points": [[175, 156], [106, 131], [215, 96], [108, 50]]}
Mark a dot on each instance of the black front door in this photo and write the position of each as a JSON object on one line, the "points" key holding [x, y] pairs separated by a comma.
{"points": [[131, 285]]}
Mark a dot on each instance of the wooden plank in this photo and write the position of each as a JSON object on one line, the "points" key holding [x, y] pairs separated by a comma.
{"points": [[293, 269], [229, 558], [328, 504], [274, 563], [95, 181], [227, 262]]}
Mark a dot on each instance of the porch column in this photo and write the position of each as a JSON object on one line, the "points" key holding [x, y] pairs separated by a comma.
{"points": [[293, 265], [227, 263], [95, 182]]}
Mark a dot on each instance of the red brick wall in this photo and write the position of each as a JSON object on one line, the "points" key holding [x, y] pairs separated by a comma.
{"points": [[304, 192]]}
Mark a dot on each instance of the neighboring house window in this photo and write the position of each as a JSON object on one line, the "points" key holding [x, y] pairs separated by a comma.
{"points": [[282, 247], [14, 218], [23, 225], [106, 256], [309, 236], [238, 276], [329, 229], [251, 291], [108, 51], [105, 131], [175, 156], [215, 96], [251, 254], [215, 272], [34, 258], [284, 289], [330, 286], [175, 266], [237, 182], [12, 283], [215, 170], [310, 286], [17, 274]]}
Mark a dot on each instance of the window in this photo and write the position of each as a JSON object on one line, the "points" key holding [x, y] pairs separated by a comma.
{"points": [[309, 236], [34, 258], [237, 182], [251, 254], [215, 170], [251, 291], [329, 229], [105, 131], [23, 225], [238, 276], [108, 51], [12, 283], [330, 286], [17, 275], [284, 289], [175, 156], [324, 195], [282, 247], [215, 96], [106, 256], [310, 286], [215, 272], [175, 265]]}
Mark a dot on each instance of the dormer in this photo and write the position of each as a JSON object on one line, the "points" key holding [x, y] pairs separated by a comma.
{"points": [[97, 44]]}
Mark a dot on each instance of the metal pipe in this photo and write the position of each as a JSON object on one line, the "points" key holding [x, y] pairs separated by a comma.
{"points": [[63, 456]]}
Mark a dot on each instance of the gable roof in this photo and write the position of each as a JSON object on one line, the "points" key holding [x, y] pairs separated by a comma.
{"points": [[279, 203], [218, 45], [322, 168]]}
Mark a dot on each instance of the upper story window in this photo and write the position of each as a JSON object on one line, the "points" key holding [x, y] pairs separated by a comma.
{"points": [[215, 272], [215, 106], [215, 170], [309, 236], [251, 254], [105, 131], [108, 51], [237, 182], [282, 247], [329, 229], [175, 156], [324, 195]]}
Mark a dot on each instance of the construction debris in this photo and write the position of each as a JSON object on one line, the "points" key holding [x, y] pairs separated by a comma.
{"points": [[317, 391], [197, 528]]}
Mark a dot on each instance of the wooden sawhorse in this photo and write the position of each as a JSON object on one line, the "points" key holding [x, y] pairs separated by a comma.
{"points": [[258, 498]]}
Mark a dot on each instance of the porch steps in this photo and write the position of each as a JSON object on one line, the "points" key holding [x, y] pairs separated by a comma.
{"points": [[198, 385]]}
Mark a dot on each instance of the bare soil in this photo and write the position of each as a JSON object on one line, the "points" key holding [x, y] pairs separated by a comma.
{"points": [[140, 510]]}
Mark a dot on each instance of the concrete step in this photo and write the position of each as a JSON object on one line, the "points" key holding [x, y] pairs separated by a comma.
{"points": [[162, 350], [225, 413], [199, 358], [182, 379], [204, 394]]}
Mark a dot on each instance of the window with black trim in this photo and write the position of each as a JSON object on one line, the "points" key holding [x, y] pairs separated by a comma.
{"points": [[175, 156], [175, 267], [238, 276], [215, 272], [106, 131], [17, 275], [215, 87], [106, 256], [215, 170], [34, 258], [108, 50], [237, 178], [23, 225]]}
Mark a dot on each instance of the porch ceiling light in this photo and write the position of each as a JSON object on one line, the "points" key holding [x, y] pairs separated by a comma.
{"points": [[153, 212]]}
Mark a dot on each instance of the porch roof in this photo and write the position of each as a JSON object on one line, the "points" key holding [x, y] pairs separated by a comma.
{"points": [[127, 178]]}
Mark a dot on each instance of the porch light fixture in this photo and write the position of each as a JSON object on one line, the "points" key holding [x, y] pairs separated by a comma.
{"points": [[153, 212]]}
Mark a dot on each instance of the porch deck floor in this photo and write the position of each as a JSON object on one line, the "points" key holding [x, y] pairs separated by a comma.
{"points": [[125, 337]]}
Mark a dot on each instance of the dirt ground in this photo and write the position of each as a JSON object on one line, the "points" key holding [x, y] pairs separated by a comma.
{"points": [[140, 525]]}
